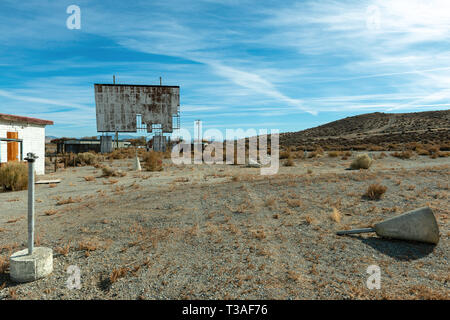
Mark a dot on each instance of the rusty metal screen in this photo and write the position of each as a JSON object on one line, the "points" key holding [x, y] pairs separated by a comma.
{"points": [[119, 105]]}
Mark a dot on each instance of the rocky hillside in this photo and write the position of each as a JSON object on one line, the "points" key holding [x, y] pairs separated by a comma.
{"points": [[380, 129]]}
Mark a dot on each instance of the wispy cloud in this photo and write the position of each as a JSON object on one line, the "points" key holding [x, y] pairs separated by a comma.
{"points": [[234, 60]]}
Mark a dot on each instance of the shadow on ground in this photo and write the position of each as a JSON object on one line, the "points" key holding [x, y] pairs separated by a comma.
{"points": [[398, 249]]}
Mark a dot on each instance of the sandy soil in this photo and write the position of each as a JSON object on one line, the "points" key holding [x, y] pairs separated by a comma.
{"points": [[225, 231]]}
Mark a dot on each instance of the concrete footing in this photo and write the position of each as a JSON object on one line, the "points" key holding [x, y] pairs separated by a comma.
{"points": [[25, 268]]}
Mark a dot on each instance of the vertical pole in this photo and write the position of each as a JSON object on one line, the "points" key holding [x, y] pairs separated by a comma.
{"points": [[114, 79], [31, 157], [160, 81]]}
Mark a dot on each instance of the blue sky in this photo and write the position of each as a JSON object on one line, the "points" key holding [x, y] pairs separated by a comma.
{"points": [[286, 65]]}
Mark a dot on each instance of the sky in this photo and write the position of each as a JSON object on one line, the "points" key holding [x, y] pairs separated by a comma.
{"points": [[286, 65]]}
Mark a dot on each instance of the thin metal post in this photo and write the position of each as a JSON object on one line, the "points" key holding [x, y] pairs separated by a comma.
{"points": [[355, 231], [31, 157]]}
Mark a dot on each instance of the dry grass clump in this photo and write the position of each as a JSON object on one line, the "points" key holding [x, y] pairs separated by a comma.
{"points": [[125, 153], [334, 154], [285, 154], [153, 161], [118, 273], [375, 191], [289, 162], [258, 234], [403, 155], [68, 200], [336, 216], [88, 246], [4, 265], [363, 161], [440, 154], [89, 178], [270, 202], [294, 203], [14, 176], [316, 153], [63, 250], [422, 152], [50, 212]]}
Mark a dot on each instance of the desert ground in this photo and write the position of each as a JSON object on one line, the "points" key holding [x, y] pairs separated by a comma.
{"points": [[227, 232]]}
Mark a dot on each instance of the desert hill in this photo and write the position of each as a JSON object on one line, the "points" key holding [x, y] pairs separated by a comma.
{"points": [[375, 129]]}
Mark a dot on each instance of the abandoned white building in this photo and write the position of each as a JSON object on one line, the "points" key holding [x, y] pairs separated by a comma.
{"points": [[20, 135]]}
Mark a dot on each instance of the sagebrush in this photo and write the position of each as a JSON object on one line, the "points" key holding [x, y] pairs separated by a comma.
{"points": [[14, 176]]}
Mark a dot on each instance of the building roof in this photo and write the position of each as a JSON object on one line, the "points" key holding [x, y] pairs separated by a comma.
{"points": [[13, 118]]}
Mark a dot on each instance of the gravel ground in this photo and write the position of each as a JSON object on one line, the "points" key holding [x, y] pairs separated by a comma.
{"points": [[226, 232]]}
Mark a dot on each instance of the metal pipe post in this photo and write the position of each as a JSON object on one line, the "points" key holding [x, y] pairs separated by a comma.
{"points": [[31, 157], [355, 231]]}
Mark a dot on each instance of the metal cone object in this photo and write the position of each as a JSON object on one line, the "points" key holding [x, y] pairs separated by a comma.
{"points": [[416, 225]]}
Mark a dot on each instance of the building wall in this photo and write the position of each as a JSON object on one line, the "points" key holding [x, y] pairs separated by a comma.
{"points": [[33, 136]]}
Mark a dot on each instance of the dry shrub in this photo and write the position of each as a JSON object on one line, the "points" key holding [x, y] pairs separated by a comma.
{"points": [[403, 155], [52, 185], [289, 162], [309, 220], [363, 161], [110, 172], [336, 216], [14, 176], [85, 159], [153, 161], [4, 265], [334, 154], [422, 152], [89, 178], [375, 191], [299, 154], [316, 153], [270, 202], [294, 203], [443, 154], [118, 273], [88, 246], [285, 154]]}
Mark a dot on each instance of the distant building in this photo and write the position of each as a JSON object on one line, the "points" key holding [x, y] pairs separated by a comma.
{"points": [[87, 145], [20, 135]]}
